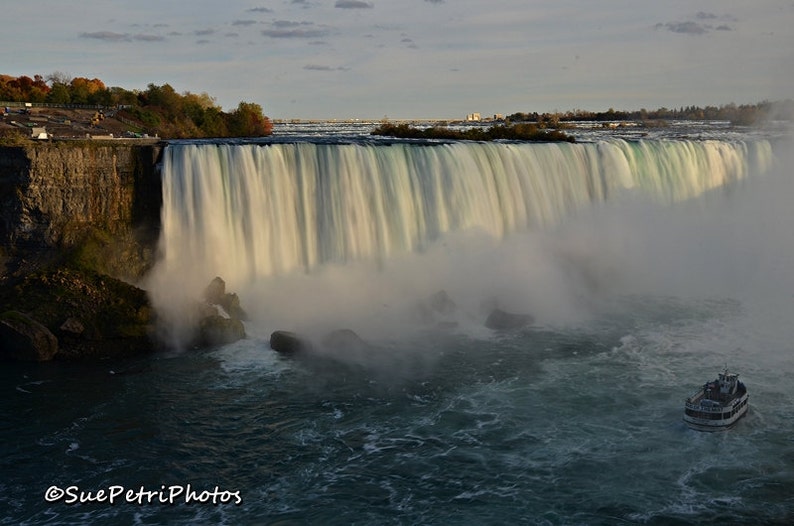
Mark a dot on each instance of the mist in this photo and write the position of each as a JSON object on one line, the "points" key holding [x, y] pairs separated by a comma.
{"points": [[734, 241]]}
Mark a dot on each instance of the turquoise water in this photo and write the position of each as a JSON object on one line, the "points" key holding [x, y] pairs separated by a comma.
{"points": [[542, 426]]}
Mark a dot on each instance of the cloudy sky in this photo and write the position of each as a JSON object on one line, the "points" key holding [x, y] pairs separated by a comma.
{"points": [[416, 58]]}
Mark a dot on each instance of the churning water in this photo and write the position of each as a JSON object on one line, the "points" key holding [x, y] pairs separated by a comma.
{"points": [[647, 265]]}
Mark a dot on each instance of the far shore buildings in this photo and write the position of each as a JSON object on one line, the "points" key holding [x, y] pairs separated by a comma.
{"points": [[476, 117]]}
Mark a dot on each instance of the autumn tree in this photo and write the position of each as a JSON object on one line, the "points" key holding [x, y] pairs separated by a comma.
{"points": [[249, 121], [84, 91]]}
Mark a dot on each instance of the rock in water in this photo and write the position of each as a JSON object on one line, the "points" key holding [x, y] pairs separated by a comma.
{"points": [[441, 303], [502, 321], [216, 294], [215, 291], [287, 342], [344, 339], [23, 338], [217, 330]]}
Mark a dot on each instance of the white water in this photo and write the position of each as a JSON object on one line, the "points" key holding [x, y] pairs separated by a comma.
{"points": [[350, 229], [249, 211]]}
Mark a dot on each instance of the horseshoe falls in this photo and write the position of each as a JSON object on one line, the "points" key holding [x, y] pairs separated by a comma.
{"points": [[248, 211], [646, 265]]}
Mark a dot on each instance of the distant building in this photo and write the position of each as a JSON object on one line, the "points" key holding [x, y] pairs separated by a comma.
{"points": [[39, 133], [473, 117]]}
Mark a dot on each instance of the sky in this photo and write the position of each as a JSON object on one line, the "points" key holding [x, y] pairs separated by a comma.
{"points": [[412, 59]]}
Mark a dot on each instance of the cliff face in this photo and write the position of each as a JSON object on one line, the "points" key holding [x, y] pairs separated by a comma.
{"points": [[97, 202]]}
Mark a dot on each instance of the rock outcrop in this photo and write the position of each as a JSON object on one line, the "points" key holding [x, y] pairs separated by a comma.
{"points": [[217, 330], [79, 222], [220, 317], [90, 316], [503, 321], [344, 340], [24, 339], [287, 342], [215, 294]]}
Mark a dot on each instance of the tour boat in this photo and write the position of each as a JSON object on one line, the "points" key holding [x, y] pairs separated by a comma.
{"points": [[718, 405]]}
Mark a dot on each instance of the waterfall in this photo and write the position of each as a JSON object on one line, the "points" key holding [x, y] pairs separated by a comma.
{"points": [[248, 211]]}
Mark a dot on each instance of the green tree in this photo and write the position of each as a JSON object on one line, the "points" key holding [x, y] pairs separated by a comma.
{"points": [[59, 94], [249, 121]]}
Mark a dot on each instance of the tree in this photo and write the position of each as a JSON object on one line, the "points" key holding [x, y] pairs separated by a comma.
{"points": [[59, 94], [249, 121], [83, 90]]}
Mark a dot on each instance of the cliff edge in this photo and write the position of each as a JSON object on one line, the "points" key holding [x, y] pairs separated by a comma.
{"points": [[79, 223]]}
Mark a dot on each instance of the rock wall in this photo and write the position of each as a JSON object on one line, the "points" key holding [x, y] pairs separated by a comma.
{"points": [[97, 202]]}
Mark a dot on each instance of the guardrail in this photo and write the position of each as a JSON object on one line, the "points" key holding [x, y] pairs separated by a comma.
{"points": [[10, 104]]}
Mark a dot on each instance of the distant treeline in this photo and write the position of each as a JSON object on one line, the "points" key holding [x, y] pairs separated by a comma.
{"points": [[515, 132], [745, 114], [158, 109]]}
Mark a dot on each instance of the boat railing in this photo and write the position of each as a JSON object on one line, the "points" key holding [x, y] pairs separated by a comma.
{"points": [[704, 408]]}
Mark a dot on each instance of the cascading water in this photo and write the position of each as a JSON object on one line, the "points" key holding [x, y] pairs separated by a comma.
{"points": [[248, 211]]}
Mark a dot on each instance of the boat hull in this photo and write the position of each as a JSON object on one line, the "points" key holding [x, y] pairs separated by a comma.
{"points": [[705, 419], [699, 424]]}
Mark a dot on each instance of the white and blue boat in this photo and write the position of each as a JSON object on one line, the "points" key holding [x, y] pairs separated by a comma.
{"points": [[718, 405]]}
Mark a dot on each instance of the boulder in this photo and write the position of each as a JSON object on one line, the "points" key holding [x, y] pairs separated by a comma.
{"points": [[93, 316], [217, 330], [441, 303], [344, 339], [24, 339], [231, 304], [287, 342], [216, 294], [502, 321], [215, 291], [72, 326]]}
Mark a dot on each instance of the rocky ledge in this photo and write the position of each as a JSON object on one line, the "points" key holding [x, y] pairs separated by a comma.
{"points": [[73, 314]]}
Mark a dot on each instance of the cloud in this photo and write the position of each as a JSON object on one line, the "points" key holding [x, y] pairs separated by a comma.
{"points": [[110, 36], [107, 36], [352, 4], [244, 22], [687, 28], [148, 38], [318, 67], [290, 23], [434, 1], [204, 32], [695, 27], [260, 10], [294, 33]]}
